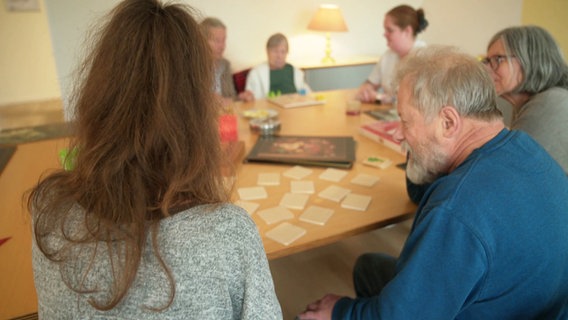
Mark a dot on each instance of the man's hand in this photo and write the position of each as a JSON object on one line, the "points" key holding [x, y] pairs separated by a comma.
{"points": [[321, 309]]}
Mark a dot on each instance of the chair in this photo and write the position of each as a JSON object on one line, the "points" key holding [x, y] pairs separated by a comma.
{"points": [[240, 80]]}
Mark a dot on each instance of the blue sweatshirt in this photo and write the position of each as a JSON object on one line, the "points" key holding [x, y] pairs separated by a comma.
{"points": [[489, 241]]}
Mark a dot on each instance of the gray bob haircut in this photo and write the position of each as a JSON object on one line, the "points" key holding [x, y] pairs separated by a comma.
{"points": [[212, 22], [539, 55], [441, 76]]}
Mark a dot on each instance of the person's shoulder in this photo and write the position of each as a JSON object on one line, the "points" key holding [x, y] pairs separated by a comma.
{"points": [[419, 43], [225, 62], [553, 93], [216, 218]]}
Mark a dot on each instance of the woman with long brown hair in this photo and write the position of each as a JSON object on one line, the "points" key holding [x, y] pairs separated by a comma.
{"points": [[141, 227]]}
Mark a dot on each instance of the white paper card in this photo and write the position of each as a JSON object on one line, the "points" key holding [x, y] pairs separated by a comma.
{"points": [[331, 174], [268, 179], [377, 162], [297, 172], [356, 202], [285, 233], [250, 207], [275, 214], [316, 215], [303, 186], [365, 180], [294, 200], [334, 193], [252, 193]]}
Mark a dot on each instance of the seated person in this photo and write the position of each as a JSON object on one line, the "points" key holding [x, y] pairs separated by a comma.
{"points": [[275, 76], [402, 24], [216, 34], [142, 226], [473, 251], [528, 70]]}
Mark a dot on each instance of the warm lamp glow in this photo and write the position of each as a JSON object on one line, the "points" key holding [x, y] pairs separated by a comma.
{"points": [[328, 18]]}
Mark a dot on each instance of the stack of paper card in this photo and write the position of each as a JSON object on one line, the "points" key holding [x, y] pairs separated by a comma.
{"points": [[268, 179], [378, 162], [356, 202], [250, 207], [365, 180], [294, 200], [285, 233], [316, 215], [334, 193], [297, 172], [334, 175], [275, 214], [304, 186], [252, 193]]}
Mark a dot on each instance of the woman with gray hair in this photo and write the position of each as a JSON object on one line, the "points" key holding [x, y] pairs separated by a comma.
{"points": [[528, 70]]}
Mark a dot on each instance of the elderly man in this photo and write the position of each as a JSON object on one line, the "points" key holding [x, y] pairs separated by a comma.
{"points": [[490, 236]]}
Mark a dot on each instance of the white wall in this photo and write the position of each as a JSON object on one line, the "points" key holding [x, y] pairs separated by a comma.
{"points": [[469, 24], [465, 23], [27, 71]]}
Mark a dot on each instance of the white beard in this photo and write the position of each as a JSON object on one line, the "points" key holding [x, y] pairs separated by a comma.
{"points": [[425, 166]]}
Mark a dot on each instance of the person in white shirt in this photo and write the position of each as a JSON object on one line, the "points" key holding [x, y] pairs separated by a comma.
{"points": [[275, 76], [401, 24]]}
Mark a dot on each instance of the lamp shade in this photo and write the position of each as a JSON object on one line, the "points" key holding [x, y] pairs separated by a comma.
{"points": [[328, 18]]}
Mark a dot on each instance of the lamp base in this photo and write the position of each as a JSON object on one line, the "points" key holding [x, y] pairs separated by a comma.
{"points": [[327, 59]]}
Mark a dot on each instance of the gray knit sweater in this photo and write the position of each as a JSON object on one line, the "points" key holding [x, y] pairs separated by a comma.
{"points": [[215, 256], [545, 118]]}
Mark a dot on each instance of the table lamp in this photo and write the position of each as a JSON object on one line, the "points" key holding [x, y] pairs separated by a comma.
{"points": [[328, 18]]}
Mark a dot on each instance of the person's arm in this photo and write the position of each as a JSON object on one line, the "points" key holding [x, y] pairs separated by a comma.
{"points": [[441, 270], [300, 81], [227, 85], [259, 297], [367, 92]]}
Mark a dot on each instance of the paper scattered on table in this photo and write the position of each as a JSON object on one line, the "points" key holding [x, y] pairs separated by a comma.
{"points": [[294, 200], [250, 207], [316, 215], [252, 193], [365, 180], [331, 174], [297, 172], [334, 193], [356, 202], [303, 186], [268, 179], [285, 233], [275, 214]]}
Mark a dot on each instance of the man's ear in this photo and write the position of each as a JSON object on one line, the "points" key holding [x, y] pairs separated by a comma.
{"points": [[450, 121]]}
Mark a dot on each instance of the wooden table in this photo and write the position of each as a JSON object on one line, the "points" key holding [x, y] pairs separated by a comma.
{"points": [[390, 203], [29, 162]]}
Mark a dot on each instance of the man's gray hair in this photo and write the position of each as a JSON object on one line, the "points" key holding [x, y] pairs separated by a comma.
{"points": [[441, 76]]}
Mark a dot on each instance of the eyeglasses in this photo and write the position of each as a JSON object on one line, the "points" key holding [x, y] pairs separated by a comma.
{"points": [[495, 61]]}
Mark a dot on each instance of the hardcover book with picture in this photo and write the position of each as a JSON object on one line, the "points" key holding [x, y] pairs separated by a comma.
{"points": [[382, 132], [304, 150]]}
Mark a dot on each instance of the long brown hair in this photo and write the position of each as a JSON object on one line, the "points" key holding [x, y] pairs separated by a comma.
{"points": [[147, 139]]}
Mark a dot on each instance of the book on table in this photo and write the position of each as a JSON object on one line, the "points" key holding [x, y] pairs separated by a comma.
{"points": [[382, 132], [294, 100], [325, 151], [379, 115]]}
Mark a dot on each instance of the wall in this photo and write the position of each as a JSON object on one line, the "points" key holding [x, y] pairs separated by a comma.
{"points": [[551, 15], [26, 57]]}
